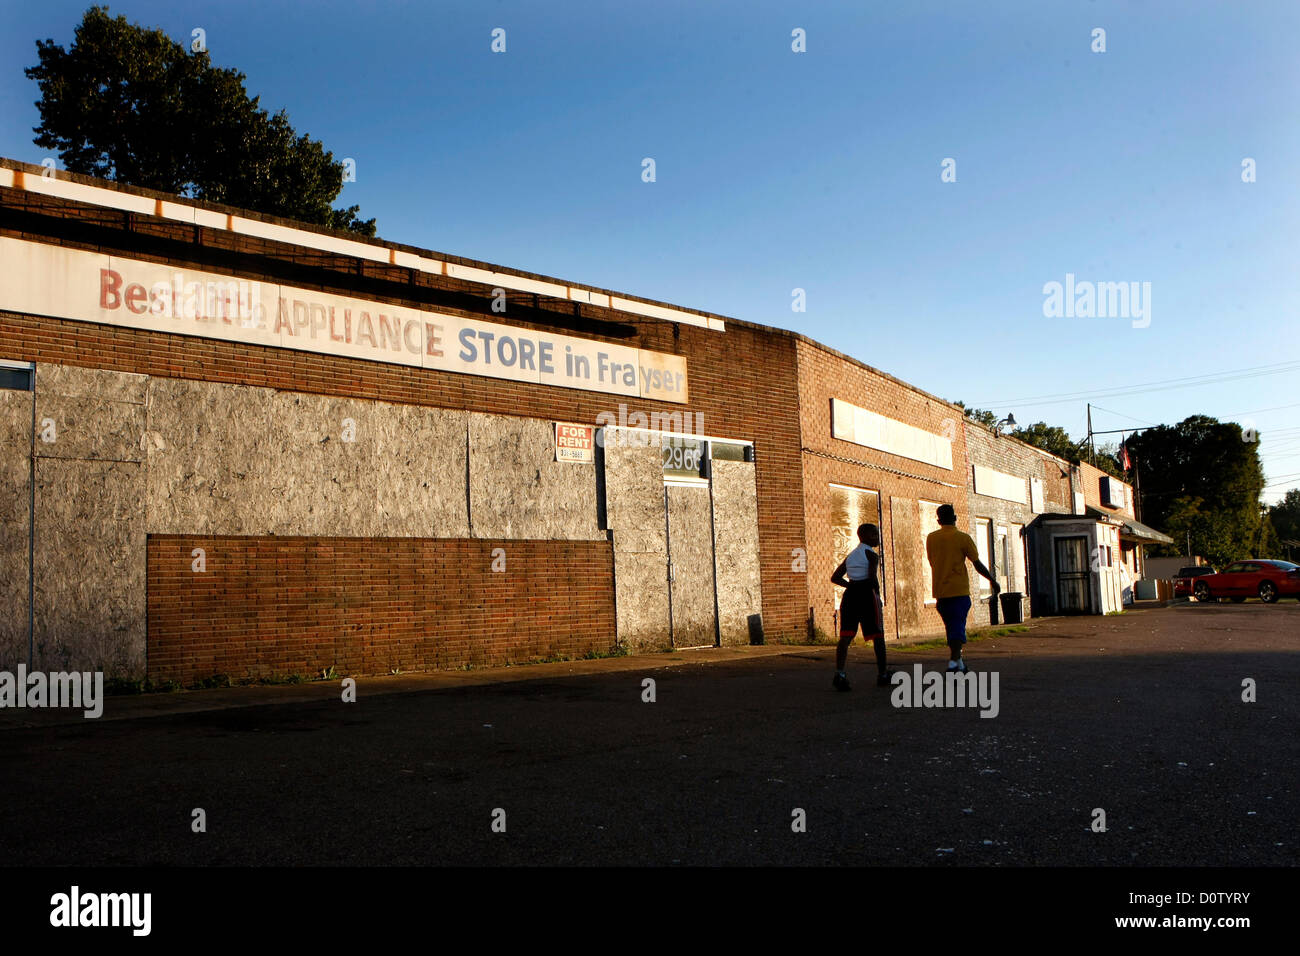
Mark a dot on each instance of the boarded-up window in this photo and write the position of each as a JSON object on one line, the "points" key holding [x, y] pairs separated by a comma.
{"points": [[983, 534], [929, 521], [1017, 572], [1005, 568], [1036, 495], [850, 508]]}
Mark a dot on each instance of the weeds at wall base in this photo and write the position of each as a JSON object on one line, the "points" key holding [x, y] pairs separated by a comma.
{"points": [[972, 637]]}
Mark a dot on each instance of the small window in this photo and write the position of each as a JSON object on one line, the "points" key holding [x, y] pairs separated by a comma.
{"points": [[16, 376], [683, 457], [730, 451]]}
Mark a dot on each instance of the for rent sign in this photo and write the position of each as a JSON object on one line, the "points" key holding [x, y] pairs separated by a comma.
{"points": [[575, 443], [92, 287]]}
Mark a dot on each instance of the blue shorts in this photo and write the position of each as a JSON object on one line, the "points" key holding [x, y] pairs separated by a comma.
{"points": [[953, 610]]}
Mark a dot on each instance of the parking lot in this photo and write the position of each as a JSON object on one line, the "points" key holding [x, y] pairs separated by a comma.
{"points": [[1139, 715]]}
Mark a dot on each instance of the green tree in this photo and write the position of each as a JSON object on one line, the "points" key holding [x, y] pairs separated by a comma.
{"points": [[1050, 438], [130, 104], [1107, 459], [1200, 475], [1193, 527], [1267, 543], [1057, 441], [978, 415], [1285, 515], [1285, 519]]}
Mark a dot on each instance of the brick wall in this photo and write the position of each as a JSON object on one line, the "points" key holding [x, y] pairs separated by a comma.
{"points": [[1011, 457], [1058, 485], [742, 381], [1090, 477], [269, 606], [900, 482]]}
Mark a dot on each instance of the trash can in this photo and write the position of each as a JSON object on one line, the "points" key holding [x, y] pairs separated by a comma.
{"points": [[1012, 607]]}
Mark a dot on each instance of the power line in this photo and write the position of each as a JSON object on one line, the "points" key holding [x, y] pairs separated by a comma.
{"points": [[1191, 381], [1122, 415], [1256, 411]]}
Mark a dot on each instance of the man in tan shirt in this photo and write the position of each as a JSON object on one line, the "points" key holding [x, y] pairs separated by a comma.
{"points": [[948, 550]]}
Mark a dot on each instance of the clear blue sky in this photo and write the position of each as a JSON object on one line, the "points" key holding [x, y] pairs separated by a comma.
{"points": [[821, 171]]}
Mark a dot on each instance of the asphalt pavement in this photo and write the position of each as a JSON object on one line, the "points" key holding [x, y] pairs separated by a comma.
{"points": [[745, 756]]}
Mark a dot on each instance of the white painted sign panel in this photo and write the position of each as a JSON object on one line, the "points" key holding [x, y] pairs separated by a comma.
{"points": [[41, 279], [998, 484], [857, 425]]}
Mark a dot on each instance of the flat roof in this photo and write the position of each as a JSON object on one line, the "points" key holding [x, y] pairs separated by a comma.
{"points": [[75, 187]]}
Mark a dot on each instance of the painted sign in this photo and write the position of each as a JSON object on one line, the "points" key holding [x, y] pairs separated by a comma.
{"points": [[998, 484], [870, 430], [575, 443], [92, 287]]}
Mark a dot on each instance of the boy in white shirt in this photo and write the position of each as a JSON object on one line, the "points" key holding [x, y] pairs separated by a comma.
{"points": [[859, 575]]}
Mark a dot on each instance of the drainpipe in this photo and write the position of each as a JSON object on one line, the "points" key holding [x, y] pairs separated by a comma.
{"points": [[31, 538]]}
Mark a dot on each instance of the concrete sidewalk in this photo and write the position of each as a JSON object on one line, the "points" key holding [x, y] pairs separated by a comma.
{"points": [[163, 704]]}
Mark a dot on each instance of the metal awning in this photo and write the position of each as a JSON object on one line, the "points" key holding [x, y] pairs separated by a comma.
{"points": [[1133, 529], [1142, 533]]}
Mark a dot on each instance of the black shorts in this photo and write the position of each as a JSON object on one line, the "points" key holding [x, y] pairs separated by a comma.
{"points": [[861, 606]]}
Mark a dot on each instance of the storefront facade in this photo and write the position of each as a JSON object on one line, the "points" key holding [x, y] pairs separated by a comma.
{"points": [[227, 450], [242, 446]]}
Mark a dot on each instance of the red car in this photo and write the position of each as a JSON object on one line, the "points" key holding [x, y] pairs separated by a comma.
{"points": [[1266, 580]]}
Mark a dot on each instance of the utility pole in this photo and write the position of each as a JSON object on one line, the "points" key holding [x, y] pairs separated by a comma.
{"points": [[1092, 450], [1137, 489]]}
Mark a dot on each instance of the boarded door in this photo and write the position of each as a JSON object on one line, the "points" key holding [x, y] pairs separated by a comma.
{"points": [[908, 552], [690, 566], [849, 508]]}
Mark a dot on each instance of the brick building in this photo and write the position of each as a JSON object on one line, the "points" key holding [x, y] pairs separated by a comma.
{"points": [[231, 444], [1105, 496], [215, 492], [1010, 484], [875, 450]]}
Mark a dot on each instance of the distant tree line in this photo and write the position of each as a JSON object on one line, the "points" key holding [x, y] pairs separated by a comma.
{"points": [[1201, 483]]}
